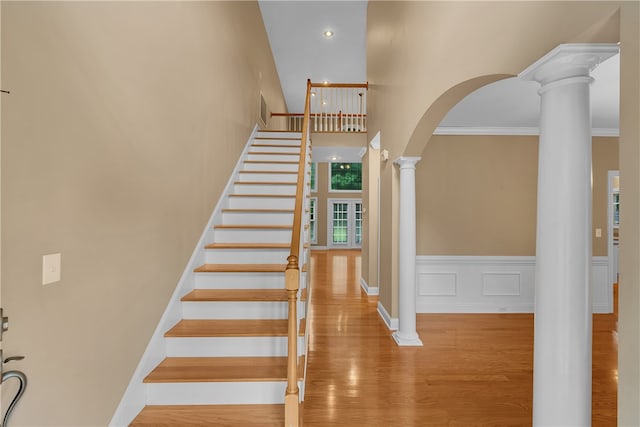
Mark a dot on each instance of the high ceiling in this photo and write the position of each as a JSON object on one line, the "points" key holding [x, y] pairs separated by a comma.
{"points": [[301, 51]]}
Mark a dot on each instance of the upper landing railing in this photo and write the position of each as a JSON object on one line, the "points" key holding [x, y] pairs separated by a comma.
{"points": [[334, 107]]}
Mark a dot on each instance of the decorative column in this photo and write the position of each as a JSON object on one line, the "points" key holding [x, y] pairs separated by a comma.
{"points": [[562, 326], [406, 333]]}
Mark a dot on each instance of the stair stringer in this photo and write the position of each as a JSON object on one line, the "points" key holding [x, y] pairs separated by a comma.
{"points": [[135, 396]]}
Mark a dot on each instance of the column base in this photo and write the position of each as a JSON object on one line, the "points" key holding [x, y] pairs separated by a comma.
{"points": [[401, 340]]}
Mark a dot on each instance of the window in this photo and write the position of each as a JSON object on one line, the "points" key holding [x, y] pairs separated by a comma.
{"points": [[314, 179], [313, 235], [345, 177]]}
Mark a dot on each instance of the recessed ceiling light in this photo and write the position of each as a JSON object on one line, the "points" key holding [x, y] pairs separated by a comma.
{"points": [[328, 34], [325, 82], [313, 94], [334, 158]]}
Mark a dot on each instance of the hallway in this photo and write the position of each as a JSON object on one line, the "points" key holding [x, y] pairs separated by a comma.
{"points": [[472, 370]]}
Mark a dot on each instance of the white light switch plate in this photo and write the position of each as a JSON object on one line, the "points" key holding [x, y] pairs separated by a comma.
{"points": [[598, 232], [51, 268]]}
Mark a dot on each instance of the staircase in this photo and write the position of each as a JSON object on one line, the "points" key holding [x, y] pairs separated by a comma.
{"points": [[223, 360]]}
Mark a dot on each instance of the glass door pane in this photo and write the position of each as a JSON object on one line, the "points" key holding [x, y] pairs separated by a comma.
{"points": [[340, 223], [358, 223]]}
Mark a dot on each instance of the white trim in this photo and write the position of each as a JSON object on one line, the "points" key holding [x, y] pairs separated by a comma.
{"points": [[375, 142], [320, 248], [134, 398], [492, 284], [369, 290], [507, 130], [391, 322]]}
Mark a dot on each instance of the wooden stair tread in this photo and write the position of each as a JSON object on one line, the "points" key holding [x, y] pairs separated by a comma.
{"points": [[289, 196], [264, 183], [282, 138], [236, 295], [210, 415], [219, 369], [228, 328], [287, 172], [280, 162], [220, 245], [273, 153], [276, 145], [256, 226], [248, 210], [241, 268]]}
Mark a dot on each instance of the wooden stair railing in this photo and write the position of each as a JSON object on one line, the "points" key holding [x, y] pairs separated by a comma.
{"points": [[334, 107], [293, 276]]}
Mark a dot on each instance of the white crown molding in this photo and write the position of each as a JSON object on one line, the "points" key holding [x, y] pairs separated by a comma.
{"points": [[513, 131]]}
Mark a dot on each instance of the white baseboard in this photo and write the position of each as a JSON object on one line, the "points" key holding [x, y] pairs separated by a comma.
{"points": [[369, 290], [481, 284], [391, 322]]}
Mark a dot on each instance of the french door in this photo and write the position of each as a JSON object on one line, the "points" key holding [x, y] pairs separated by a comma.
{"points": [[344, 227]]}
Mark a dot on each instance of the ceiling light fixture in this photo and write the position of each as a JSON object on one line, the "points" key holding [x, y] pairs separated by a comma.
{"points": [[328, 34], [313, 94], [325, 82]]}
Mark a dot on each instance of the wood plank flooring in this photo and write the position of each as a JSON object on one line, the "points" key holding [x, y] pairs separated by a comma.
{"points": [[474, 369]]}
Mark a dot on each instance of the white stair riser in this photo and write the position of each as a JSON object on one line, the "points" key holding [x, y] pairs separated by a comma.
{"points": [[230, 347], [273, 136], [274, 157], [262, 202], [245, 256], [284, 167], [274, 218], [289, 189], [257, 148], [234, 310], [212, 393], [231, 235], [239, 280], [260, 177]]}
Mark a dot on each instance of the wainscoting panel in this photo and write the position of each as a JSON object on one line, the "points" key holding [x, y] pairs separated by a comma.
{"points": [[479, 284]]}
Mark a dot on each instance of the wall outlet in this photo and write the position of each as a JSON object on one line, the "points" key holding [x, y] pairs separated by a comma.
{"points": [[598, 232], [51, 268]]}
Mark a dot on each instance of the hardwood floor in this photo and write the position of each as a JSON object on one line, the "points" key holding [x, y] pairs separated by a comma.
{"points": [[474, 369]]}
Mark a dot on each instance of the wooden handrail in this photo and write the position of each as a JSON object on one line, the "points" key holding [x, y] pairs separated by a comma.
{"points": [[292, 279], [341, 85], [314, 115]]}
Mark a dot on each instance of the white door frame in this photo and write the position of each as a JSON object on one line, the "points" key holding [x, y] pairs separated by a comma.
{"points": [[350, 227], [612, 259]]}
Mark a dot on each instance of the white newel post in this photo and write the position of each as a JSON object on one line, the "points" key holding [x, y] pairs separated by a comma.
{"points": [[562, 326], [406, 334]]}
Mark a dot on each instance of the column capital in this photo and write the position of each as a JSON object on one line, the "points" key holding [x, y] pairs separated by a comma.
{"points": [[407, 162], [569, 60]]}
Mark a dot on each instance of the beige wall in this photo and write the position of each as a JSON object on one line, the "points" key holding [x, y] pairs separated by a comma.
{"points": [[423, 57], [323, 193], [370, 175], [415, 78], [629, 309], [477, 195], [124, 122]]}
